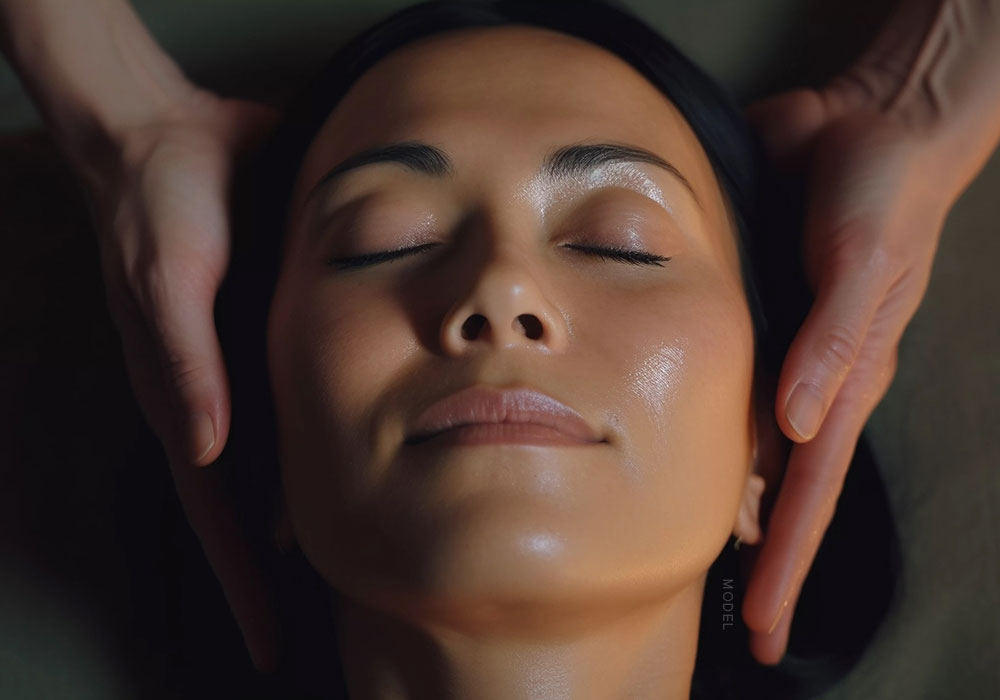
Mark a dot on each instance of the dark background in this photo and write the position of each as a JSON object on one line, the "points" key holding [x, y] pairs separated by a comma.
{"points": [[104, 592]]}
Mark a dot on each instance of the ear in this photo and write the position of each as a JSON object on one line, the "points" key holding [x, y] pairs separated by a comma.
{"points": [[767, 462], [284, 535], [747, 527]]}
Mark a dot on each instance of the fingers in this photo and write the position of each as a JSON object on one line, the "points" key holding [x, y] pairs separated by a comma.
{"points": [[826, 346], [185, 229], [805, 507], [143, 364], [801, 514], [165, 241], [206, 506], [165, 252], [768, 647], [181, 317]]}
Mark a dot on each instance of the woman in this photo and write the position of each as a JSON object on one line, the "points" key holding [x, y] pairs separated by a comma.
{"points": [[519, 369]]}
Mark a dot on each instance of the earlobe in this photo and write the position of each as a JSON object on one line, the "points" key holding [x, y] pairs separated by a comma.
{"points": [[747, 527], [768, 459]]}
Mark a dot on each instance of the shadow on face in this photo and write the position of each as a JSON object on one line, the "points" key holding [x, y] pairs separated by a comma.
{"points": [[549, 221]]}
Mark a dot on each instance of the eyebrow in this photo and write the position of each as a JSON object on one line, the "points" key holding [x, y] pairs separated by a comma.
{"points": [[566, 162]]}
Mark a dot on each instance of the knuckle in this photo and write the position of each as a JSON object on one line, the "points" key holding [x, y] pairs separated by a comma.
{"points": [[183, 372], [869, 382], [158, 283], [838, 349], [151, 287]]}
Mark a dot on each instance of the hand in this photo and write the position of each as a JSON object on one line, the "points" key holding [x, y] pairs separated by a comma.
{"points": [[159, 194], [880, 191]]}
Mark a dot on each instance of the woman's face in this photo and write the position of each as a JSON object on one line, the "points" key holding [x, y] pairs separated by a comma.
{"points": [[658, 359]]}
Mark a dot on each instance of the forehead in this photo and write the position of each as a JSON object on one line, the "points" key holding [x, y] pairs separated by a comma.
{"points": [[498, 98]]}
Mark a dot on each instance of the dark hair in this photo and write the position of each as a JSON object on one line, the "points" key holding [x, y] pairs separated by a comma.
{"points": [[828, 635]]}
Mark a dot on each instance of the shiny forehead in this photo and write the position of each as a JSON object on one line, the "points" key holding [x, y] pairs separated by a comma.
{"points": [[496, 91]]}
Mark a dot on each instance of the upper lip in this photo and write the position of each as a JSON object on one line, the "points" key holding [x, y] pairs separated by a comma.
{"points": [[487, 404]]}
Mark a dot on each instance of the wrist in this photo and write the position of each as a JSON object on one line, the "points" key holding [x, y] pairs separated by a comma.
{"points": [[143, 84], [92, 69], [951, 96], [933, 70]]}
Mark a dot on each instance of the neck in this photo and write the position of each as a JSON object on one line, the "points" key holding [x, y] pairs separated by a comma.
{"points": [[644, 653]]}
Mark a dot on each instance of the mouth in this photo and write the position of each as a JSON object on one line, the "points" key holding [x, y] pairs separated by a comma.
{"points": [[489, 415], [500, 433]]}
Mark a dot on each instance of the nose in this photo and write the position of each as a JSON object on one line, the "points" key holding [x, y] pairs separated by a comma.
{"points": [[505, 308]]}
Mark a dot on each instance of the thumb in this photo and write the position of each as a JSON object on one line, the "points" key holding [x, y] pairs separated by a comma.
{"points": [[788, 124], [829, 341], [193, 370]]}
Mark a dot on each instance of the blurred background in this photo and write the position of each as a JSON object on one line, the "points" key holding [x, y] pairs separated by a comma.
{"points": [[103, 590]]}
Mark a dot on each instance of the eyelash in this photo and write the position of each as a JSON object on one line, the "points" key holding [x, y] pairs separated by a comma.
{"points": [[633, 257]]}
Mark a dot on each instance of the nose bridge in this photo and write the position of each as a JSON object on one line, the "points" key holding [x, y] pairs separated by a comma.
{"points": [[503, 300]]}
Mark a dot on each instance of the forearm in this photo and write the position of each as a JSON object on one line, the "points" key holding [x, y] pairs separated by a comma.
{"points": [[936, 65], [90, 66]]}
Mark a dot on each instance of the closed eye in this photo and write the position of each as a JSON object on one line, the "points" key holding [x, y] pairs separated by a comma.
{"points": [[633, 257], [375, 258]]}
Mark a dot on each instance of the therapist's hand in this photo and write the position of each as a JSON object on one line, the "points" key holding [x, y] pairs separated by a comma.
{"points": [[160, 199], [159, 196], [888, 146], [873, 222], [155, 154]]}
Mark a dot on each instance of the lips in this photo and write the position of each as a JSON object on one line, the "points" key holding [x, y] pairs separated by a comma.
{"points": [[482, 404]]}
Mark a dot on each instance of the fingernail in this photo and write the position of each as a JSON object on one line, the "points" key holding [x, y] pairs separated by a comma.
{"points": [[202, 434], [805, 409], [777, 619]]}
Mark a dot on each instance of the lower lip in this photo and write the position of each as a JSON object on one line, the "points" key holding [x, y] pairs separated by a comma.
{"points": [[495, 433]]}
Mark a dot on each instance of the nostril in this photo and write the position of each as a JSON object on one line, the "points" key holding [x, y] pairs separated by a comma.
{"points": [[529, 323], [532, 326], [472, 326]]}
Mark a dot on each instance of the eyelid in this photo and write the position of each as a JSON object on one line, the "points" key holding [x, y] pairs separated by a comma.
{"points": [[376, 257], [628, 224], [622, 253], [617, 253], [375, 211]]}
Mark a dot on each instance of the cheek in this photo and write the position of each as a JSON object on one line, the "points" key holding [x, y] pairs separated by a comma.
{"points": [[684, 353], [331, 363], [686, 359], [328, 358]]}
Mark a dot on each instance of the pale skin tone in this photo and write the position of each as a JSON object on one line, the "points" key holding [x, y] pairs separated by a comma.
{"points": [[513, 571]]}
